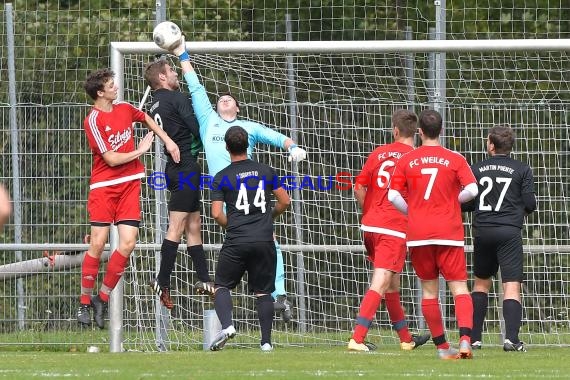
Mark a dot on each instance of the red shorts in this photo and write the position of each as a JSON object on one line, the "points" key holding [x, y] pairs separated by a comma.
{"points": [[116, 203], [385, 251], [431, 260]]}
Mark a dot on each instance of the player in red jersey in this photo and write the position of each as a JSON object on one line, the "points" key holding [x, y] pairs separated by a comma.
{"points": [[115, 186], [437, 181], [384, 235]]}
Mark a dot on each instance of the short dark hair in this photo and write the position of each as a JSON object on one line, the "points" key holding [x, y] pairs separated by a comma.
{"points": [[237, 140], [96, 81], [152, 70], [406, 121], [230, 95], [503, 137], [431, 123]]}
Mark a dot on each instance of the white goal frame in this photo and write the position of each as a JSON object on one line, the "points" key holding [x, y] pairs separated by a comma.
{"points": [[120, 49]]}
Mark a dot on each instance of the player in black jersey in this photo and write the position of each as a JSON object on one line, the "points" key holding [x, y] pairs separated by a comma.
{"points": [[172, 110], [506, 195], [246, 187]]}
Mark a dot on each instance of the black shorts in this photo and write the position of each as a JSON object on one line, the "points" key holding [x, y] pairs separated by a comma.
{"points": [[258, 259], [498, 247], [184, 186]]}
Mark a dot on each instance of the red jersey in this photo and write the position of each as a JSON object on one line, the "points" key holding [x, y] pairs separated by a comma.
{"points": [[433, 177], [113, 131], [379, 215]]}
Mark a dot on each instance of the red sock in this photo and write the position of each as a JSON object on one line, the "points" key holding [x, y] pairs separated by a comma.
{"points": [[89, 271], [368, 307], [464, 313], [397, 317], [115, 269], [432, 315]]}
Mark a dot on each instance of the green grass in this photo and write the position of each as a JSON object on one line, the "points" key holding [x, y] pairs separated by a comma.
{"points": [[291, 363]]}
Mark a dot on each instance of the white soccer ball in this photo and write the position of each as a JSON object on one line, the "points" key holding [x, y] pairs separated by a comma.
{"points": [[166, 35]]}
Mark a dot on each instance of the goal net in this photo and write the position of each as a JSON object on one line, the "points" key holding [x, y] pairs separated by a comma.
{"points": [[336, 101]]}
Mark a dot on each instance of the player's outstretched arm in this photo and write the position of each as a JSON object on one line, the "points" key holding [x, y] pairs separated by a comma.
{"points": [[180, 51], [283, 202], [265, 135], [113, 158], [200, 101], [296, 154]]}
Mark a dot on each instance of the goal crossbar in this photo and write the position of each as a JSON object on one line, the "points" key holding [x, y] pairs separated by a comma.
{"points": [[324, 47]]}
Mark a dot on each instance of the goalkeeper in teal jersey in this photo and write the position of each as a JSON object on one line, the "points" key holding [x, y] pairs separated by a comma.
{"points": [[213, 126]]}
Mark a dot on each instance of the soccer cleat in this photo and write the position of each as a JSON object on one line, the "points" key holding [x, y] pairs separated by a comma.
{"points": [[417, 340], [163, 294], [223, 336], [99, 311], [205, 288], [476, 345], [510, 346], [465, 349], [266, 347], [448, 354], [283, 305], [84, 315], [361, 347]]}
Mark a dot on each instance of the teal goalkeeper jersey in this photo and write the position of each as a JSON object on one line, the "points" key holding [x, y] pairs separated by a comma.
{"points": [[213, 128]]}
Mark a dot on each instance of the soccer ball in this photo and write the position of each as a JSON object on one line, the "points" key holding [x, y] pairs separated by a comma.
{"points": [[166, 35]]}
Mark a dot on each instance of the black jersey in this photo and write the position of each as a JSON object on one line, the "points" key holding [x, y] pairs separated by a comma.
{"points": [[506, 192], [246, 187], [173, 112]]}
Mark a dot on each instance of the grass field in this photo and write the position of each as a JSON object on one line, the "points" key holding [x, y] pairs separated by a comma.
{"points": [[290, 363]]}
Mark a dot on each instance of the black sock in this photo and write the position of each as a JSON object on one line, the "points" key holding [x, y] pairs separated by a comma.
{"points": [[196, 252], [512, 312], [480, 305], [265, 314], [167, 261], [223, 306]]}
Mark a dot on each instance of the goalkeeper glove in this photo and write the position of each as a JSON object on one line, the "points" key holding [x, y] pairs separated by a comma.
{"points": [[296, 154], [179, 49]]}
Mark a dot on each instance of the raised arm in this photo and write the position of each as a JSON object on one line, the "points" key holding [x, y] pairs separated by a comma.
{"points": [[265, 135], [200, 101]]}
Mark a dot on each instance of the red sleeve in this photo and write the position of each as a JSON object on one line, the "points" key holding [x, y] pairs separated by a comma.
{"points": [[95, 134], [464, 172], [363, 178], [137, 114]]}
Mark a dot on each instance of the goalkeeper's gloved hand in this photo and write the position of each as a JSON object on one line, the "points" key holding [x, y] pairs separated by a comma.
{"points": [[297, 154], [180, 48]]}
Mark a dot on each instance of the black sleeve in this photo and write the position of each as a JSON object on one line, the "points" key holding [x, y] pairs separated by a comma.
{"points": [[527, 191], [468, 206], [529, 201], [275, 182], [186, 112], [217, 193]]}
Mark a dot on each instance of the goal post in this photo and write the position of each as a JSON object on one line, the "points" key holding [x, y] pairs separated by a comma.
{"points": [[345, 93]]}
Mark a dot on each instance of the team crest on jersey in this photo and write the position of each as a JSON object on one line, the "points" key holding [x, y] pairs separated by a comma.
{"points": [[119, 139], [107, 128]]}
